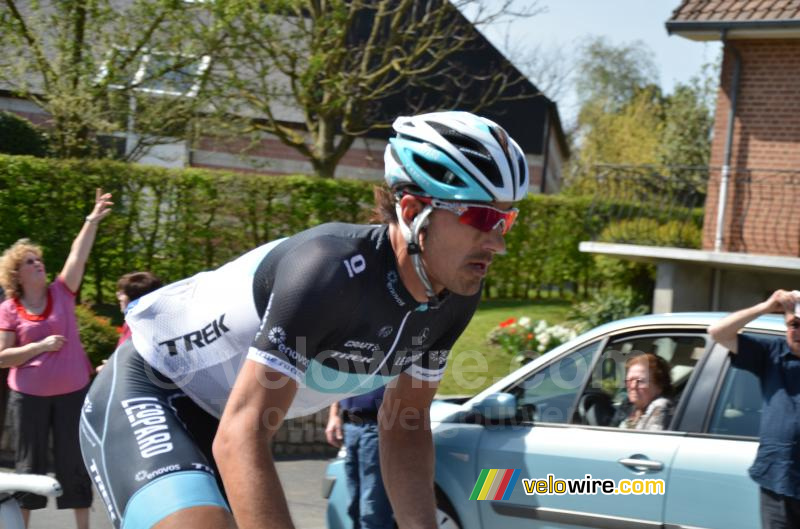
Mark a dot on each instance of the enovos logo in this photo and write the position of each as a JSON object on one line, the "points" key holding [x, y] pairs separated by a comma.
{"points": [[143, 474], [391, 286], [277, 335]]}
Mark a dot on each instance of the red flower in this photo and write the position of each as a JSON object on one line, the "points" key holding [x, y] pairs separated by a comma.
{"points": [[509, 321]]}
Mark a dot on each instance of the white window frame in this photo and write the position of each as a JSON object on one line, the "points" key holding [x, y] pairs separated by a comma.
{"points": [[141, 71]]}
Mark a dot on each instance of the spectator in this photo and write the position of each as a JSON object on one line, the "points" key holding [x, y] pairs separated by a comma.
{"points": [[648, 384], [3, 387], [131, 287], [776, 363], [357, 418], [50, 371]]}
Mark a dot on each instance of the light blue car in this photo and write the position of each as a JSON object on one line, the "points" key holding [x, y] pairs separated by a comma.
{"points": [[558, 415]]}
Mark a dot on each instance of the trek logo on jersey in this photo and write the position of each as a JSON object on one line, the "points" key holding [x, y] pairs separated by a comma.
{"points": [[149, 422], [197, 339], [391, 285], [101, 488]]}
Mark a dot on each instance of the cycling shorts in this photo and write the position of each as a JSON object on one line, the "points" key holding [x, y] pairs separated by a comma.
{"points": [[136, 443]]}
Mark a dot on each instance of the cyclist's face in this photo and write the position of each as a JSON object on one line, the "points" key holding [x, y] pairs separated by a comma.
{"points": [[456, 255]]}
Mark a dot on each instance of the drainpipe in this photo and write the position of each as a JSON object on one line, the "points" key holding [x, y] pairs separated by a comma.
{"points": [[546, 148], [726, 166]]}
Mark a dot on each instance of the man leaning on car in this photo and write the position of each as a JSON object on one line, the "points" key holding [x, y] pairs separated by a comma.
{"points": [[776, 363]]}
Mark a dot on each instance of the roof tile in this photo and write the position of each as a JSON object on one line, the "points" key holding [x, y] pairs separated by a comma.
{"points": [[735, 10]]}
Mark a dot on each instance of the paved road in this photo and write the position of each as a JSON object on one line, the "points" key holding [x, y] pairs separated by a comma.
{"points": [[302, 481]]}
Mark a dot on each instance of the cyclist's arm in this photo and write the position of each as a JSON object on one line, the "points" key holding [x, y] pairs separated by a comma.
{"points": [[406, 448], [254, 412]]}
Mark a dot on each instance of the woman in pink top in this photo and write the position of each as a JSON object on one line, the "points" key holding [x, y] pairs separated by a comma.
{"points": [[49, 369]]}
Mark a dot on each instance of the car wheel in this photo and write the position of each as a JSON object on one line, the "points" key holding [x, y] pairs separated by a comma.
{"points": [[446, 517]]}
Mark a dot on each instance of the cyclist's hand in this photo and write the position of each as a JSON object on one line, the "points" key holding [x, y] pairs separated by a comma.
{"points": [[54, 342], [333, 432]]}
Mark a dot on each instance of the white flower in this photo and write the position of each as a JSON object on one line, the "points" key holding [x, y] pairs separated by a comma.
{"points": [[524, 321]]}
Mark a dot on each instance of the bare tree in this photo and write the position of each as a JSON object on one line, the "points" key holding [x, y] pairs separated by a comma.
{"points": [[318, 73], [105, 67]]}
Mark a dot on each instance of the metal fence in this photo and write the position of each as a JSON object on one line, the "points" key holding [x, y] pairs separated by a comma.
{"points": [[648, 205], [679, 206]]}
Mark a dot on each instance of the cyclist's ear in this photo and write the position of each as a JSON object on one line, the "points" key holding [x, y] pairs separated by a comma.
{"points": [[410, 207]]}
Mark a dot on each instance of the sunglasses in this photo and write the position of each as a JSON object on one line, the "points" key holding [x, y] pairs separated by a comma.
{"points": [[641, 382], [481, 217]]}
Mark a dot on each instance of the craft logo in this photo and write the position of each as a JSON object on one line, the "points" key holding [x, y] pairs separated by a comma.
{"points": [[495, 484]]}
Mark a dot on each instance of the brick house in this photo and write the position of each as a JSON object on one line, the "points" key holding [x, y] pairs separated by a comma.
{"points": [[751, 229], [533, 121]]}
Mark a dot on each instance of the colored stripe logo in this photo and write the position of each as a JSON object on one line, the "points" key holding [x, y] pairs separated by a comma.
{"points": [[495, 484]]}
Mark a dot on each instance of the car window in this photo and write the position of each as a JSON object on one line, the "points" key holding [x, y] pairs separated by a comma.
{"points": [[604, 402], [738, 407], [548, 394]]}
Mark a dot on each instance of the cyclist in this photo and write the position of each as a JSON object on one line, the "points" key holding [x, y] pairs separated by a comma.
{"points": [[298, 324]]}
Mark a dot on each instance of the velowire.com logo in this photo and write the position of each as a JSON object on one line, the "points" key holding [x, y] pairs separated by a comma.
{"points": [[495, 484]]}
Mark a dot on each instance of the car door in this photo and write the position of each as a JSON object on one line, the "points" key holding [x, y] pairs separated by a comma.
{"points": [[555, 442], [709, 485]]}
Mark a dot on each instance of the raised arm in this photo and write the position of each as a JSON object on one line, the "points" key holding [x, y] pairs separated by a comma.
{"points": [[407, 454], [255, 410], [726, 330], [75, 265]]}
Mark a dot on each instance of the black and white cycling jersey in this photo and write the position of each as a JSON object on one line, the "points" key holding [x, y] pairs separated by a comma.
{"points": [[325, 307]]}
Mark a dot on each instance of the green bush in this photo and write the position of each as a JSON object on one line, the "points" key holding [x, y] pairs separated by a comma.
{"points": [[606, 306], [20, 136], [652, 232], [176, 223], [98, 336]]}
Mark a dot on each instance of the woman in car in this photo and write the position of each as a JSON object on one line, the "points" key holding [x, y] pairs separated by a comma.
{"points": [[649, 387]]}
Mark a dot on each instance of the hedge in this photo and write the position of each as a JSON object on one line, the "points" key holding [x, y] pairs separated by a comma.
{"points": [[179, 222]]}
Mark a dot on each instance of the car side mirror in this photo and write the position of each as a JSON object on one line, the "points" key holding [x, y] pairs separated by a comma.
{"points": [[497, 407]]}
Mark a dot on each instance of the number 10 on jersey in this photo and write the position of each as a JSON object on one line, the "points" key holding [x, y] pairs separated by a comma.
{"points": [[355, 265]]}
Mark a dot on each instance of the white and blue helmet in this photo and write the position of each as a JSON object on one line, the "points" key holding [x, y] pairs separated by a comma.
{"points": [[456, 156]]}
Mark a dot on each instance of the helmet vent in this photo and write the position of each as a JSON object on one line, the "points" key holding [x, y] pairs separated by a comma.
{"points": [[438, 172], [473, 150]]}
